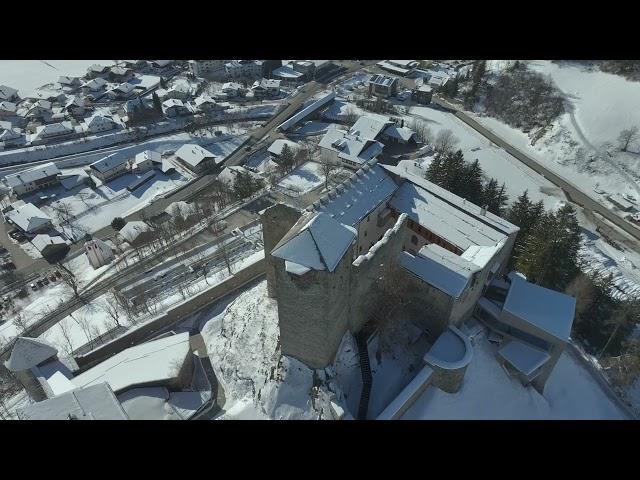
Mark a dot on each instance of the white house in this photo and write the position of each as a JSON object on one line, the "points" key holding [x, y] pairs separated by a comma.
{"points": [[44, 132], [109, 167], [351, 150], [174, 108], [33, 179], [98, 253], [99, 123], [214, 68], [145, 161], [95, 85], [180, 90], [75, 106], [8, 94], [70, 83], [231, 89], [205, 103], [266, 88], [7, 109], [122, 91], [29, 218], [244, 69], [196, 158]]}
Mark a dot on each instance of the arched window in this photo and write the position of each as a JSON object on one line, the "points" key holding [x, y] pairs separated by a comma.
{"points": [[414, 239]]}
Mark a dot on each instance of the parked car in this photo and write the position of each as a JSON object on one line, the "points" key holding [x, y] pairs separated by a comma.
{"points": [[45, 280], [34, 287], [159, 276]]}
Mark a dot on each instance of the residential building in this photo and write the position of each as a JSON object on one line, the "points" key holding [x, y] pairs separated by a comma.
{"points": [[120, 74], [422, 94], [29, 219], [205, 103], [383, 86], [275, 149], [8, 94], [39, 110], [231, 89], [7, 109], [228, 175], [98, 253], [179, 90], [399, 67], [266, 88], [196, 158], [121, 92], [161, 64], [96, 70], [306, 67], [109, 167], [212, 68], [350, 150], [94, 85], [447, 249], [70, 83], [12, 137], [33, 179], [244, 69], [50, 246], [145, 161], [99, 123], [269, 66], [75, 106], [174, 108], [136, 233], [288, 75], [53, 130]]}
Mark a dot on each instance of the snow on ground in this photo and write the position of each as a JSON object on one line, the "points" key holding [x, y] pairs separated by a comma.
{"points": [[601, 105], [341, 107], [488, 393], [28, 75], [314, 128], [242, 340], [261, 162], [302, 180], [494, 161]]}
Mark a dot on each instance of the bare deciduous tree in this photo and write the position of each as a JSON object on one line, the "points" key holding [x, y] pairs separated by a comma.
{"points": [[423, 132], [628, 137], [65, 330], [327, 167], [71, 280], [445, 141], [21, 323]]}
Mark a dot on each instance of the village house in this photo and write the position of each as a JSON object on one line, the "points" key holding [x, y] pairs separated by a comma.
{"points": [[174, 108], [69, 83], [10, 137], [75, 106], [205, 103], [7, 109], [94, 85], [266, 88], [231, 89], [213, 68], [29, 219], [179, 90], [121, 92], [98, 253], [8, 94], [399, 67], [196, 158], [33, 179], [383, 86], [54, 130], [145, 161], [350, 150], [50, 247], [120, 74], [422, 94], [39, 110], [244, 69], [136, 233], [99, 123], [275, 149], [109, 167], [288, 75], [96, 70]]}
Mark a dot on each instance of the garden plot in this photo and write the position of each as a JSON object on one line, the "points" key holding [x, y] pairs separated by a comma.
{"points": [[302, 180]]}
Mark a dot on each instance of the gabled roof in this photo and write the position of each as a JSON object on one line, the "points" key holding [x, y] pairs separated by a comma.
{"points": [[7, 92], [403, 133], [98, 119], [370, 126], [194, 154], [108, 163], [351, 147], [33, 174], [355, 199], [541, 307], [148, 155], [7, 106], [53, 129], [43, 241], [64, 80], [276, 147], [28, 352], [96, 84], [172, 102], [316, 242], [28, 217], [133, 229]]}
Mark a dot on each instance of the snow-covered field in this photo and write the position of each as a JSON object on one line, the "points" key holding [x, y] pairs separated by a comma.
{"points": [[601, 105], [487, 393], [28, 75], [302, 180]]}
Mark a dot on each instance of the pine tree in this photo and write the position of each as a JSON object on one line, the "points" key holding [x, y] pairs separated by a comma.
{"points": [[156, 102], [489, 194], [434, 170], [472, 186], [286, 158]]}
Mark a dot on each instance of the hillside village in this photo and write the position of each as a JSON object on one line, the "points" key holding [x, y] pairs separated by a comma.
{"points": [[305, 239]]}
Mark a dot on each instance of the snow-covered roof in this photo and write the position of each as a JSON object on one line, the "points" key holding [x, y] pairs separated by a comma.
{"points": [[32, 175], [98, 119], [276, 147], [7, 92], [161, 63], [125, 88], [148, 403], [525, 358], [74, 101], [382, 80], [266, 83], [7, 106], [366, 189], [180, 207], [194, 154], [402, 133], [10, 134], [148, 155], [109, 162], [152, 362], [316, 242], [172, 102], [28, 217], [42, 241], [308, 110], [468, 213], [370, 126], [286, 72], [541, 307], [70, 182], [229, 174], [481, 255], [28, 352], [95, 84], [119, 70], [54, 129], [440, 268], [133, 229], [350, 146], [202, 100], [97, 402], [96, 67]]}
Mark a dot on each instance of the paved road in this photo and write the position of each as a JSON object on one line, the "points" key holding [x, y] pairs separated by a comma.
{"points": [[571, 191]]}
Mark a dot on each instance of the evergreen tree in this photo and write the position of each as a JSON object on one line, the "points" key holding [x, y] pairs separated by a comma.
{"points": [[244, 185], [163, 83], [286, 158], [489, 194], [434, 170], [471, 188], [453, 167], [156, 102]]}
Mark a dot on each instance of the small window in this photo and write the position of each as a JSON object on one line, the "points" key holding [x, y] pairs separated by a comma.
{"points": [[368, 217], [365, 233], [414, 239]]}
